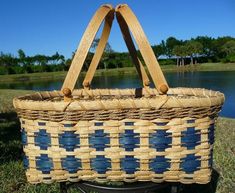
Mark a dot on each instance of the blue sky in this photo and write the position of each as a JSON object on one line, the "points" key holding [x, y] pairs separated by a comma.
{"points": [[47, 26]]}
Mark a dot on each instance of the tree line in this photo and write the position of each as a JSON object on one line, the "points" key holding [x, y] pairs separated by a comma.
{"points": [[199, 49], [20, 64], [171, 51]]}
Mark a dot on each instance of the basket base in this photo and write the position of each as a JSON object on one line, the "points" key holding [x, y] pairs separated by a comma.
{"points": [[142, 187], [138, 187]]}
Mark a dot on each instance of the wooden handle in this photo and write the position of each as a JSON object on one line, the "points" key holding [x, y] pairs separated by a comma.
{"points": [[67, 94], [148, 55], [85, 45], [101, 46], [99, 50], [131, 47], [127, 21]]}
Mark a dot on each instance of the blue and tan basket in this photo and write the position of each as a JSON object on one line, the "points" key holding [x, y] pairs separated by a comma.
{"points": [[149, 134]]}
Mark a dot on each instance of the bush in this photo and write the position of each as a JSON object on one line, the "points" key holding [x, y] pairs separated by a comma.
{"points": [[19, 70], [3, 70], [28, 69], [231, 58], [10, 70], [167, 62]]}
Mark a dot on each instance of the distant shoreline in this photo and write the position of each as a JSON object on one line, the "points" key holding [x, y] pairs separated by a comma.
{"points": [[116, 71]]}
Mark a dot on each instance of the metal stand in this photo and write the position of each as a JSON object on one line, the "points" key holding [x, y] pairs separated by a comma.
{"points": [[138, 187]]}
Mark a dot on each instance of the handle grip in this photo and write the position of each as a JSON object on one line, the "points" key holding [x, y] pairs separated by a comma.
{"points": [[85, 45], [150, 59]]}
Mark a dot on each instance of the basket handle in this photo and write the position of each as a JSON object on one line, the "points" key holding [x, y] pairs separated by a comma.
{"points": [[69, 85], [104, 12], [100, 48], [124, 12], [132, 50], [99, 51]]}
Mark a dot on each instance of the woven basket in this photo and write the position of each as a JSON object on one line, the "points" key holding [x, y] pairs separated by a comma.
{"points": [[149, 134]]}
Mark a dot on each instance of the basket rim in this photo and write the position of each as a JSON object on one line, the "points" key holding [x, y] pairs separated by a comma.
{"points": [[180, 97]]}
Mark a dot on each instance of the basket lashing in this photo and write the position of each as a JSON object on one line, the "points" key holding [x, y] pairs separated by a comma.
{"points": [[150, 134]]}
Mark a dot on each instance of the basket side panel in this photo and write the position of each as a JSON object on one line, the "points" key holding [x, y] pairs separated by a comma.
{"points": [[174, 150]]}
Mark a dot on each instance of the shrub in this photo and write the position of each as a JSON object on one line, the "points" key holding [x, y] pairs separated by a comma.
{"points": [[3, 70], [167, 62]]}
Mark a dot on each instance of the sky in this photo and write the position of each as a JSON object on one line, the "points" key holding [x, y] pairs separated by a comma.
{"points": [[49, 26]]}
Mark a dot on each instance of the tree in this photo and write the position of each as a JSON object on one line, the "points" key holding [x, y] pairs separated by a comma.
{"points": [[107, 51], [181, 52], [7, 60], [57, 58], [95, 43], [193, 49], [171, 42], [22, 57], [21, 54], [219, 43], [108, 48], [177, 52], [40, 59], [158, 50], [208, 45], [229, 47]]}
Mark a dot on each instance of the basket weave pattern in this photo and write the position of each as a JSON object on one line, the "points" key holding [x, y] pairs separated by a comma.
{"points": [[147, 144], [130, 150], [159, 134]]}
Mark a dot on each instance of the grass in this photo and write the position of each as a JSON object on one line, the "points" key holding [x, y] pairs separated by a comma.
{"points": [[12, 176], [217, 67], [127, 70]]}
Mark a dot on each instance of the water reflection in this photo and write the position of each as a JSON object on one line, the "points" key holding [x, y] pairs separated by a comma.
{"points": [[221, 81]]}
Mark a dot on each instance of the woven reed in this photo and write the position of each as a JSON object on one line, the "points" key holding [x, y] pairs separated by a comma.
{"points": [[118, 134], [145, 114], [180, 102], [114, 151], [199, 105], [149, 100]]}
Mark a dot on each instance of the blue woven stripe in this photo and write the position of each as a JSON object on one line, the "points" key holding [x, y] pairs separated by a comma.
{"points": [[41, 123], [211, 134], [160, 123], [44, 163], [190, 138], [129, 123], [42, 139], [25, 161], [69, 140], [190, 163], [99, 140], [24, 137], [191, 121], [129, 140], [210, 161], [160, 140], [98, 123], [160, 164], [130, 164], [100, 164], [69, 125], [71, 164]]}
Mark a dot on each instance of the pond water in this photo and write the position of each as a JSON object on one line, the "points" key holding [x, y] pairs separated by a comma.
{"points": [[219, 81]]}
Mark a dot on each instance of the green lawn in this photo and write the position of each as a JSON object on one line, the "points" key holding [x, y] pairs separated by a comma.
{"points": [[12, 178], [127, 70]]}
